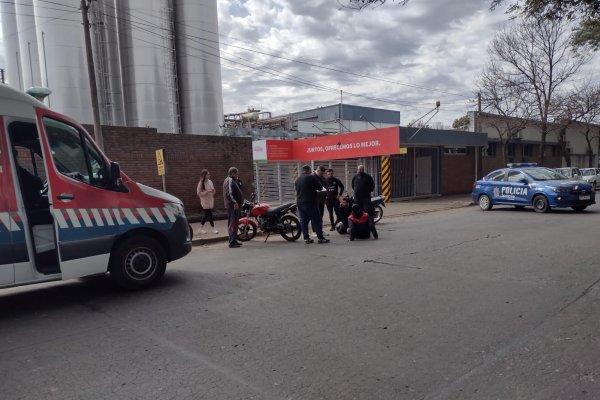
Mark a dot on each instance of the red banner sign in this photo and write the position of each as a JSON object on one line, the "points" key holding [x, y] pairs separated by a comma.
{"points": [[376, 142]]}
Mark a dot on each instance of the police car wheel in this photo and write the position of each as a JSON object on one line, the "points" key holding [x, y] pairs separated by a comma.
{"points": [[540, 204], [485, 203], [138, 262]]}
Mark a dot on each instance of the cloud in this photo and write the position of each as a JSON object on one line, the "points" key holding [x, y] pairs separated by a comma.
{"points": [[420, 53]]}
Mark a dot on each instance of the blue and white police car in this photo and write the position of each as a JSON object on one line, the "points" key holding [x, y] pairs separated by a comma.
{"points": [[527, 184]]}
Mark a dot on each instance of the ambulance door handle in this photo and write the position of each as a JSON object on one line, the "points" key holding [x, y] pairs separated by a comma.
{"points": [[66, 197]]}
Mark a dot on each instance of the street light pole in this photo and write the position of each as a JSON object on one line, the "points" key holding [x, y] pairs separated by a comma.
{"points": [[85, 5]]}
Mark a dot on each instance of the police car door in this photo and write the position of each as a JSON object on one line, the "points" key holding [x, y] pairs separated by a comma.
{"points": [[517, 190], [81, 203]]}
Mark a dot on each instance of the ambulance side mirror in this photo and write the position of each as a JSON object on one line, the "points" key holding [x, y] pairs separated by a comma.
{"points": [[115, 175]]}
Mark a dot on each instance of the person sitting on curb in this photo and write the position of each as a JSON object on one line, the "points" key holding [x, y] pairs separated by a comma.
{"points": [[360, 225], [341, 225]]}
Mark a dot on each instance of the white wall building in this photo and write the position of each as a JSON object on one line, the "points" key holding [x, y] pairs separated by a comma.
{"points": [[575, 139]]}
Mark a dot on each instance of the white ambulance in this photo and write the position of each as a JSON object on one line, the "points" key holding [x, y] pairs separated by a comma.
{"points": [[66, 211]]}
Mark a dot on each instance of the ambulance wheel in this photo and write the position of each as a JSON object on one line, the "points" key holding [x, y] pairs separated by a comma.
{"points": [[138, 262], [540, 204], [485, 203], [377, 214]]}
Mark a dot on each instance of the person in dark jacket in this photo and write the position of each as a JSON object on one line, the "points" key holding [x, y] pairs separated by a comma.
{"points": [[341, 224], [361, 226], [322, 195], [233, 198], [335, 188], [363, 184], [307, 188]]}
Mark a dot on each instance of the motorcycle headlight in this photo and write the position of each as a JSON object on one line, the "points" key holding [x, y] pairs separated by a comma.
{"points": [[176, 209]]}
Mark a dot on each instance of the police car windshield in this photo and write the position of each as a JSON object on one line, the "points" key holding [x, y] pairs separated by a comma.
{"points": [[544, 174]]}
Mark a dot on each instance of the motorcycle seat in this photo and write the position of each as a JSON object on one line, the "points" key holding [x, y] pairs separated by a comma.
{"points": [[278, 209]]}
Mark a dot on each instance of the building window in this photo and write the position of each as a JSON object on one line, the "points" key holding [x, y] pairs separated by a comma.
{"points": [[457, 151], [511, 149], [492, 149]]}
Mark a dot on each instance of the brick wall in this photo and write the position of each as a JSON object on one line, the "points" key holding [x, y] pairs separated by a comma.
{"points": [[185, 156], [458, 173]]}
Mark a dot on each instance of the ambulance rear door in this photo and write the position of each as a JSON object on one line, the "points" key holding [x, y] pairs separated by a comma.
{"points": [[85, 208]]}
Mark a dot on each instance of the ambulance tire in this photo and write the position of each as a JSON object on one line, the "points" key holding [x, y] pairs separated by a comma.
{"points": [[485, 203], [540, 204], [138, 262]]}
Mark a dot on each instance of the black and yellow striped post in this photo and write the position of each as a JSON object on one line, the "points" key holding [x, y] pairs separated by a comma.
{"points": [[386, 178]]}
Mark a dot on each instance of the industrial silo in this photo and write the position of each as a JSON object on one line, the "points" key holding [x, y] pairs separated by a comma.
{"points": [[105, 45], [10, 34], [63, 52], [199, 67], [28, 46], [149, 74]]}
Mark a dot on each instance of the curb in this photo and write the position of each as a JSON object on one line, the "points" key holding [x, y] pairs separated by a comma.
{"points": [[206, 241]]}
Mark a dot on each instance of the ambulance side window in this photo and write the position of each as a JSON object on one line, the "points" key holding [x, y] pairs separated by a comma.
{"points": [[73, 155]]}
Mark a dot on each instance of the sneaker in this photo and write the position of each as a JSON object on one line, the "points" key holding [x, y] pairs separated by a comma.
{"points": [[308, 241], [332, 228], [215, 231], [201, 230], [375, 237], [321, 241], [238, 243], [234, 245]]}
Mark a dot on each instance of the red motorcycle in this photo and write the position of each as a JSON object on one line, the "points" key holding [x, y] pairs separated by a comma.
{"points": [[269, 220]]}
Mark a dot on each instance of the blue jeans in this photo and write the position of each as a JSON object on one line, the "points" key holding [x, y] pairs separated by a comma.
{"points": [[310, 212], [233, 220]]}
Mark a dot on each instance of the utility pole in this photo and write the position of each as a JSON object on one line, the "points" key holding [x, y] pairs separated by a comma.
{"points": [[478, 122], [2, 74], [85, 6]]}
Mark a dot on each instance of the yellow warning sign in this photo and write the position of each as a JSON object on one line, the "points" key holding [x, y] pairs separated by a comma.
{"points": [[160, 161], [403, 150]]}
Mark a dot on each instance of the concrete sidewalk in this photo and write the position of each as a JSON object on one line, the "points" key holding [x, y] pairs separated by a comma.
{"points": [[394, 209]]}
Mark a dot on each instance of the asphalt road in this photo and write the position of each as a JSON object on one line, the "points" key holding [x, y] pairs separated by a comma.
{"points": [[458, 304]]}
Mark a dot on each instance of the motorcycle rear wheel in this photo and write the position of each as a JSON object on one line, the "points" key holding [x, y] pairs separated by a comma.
{"points": [[378, 214], [290, 228], [246, 231]]}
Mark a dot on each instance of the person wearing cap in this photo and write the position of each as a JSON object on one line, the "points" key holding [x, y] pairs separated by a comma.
{"points": [[307, 188]]}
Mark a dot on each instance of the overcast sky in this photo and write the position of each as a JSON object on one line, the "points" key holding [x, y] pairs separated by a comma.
{"points": [[420, 53], [425, 51]]}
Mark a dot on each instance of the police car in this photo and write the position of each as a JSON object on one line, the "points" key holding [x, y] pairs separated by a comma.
{"points": [[527, 184]]}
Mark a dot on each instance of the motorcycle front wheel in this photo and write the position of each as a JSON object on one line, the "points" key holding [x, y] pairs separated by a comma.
{"points": [[246, 231], [290, 228], [378, 213]]}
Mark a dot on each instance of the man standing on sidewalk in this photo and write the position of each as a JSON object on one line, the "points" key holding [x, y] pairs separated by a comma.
{"points": [[307, 186], [363, 184], [232, 195]]}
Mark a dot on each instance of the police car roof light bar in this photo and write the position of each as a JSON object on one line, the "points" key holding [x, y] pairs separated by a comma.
{"points": [[517, 165]]}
